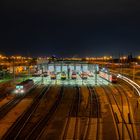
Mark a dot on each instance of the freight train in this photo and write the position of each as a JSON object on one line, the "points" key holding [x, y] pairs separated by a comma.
{"points": [[24, 86], [108, 76]]}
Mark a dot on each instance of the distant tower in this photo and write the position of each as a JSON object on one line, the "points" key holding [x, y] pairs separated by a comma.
{"points": [[130, 57]]}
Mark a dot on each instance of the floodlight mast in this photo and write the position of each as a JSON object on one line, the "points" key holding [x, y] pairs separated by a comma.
{"points": [[95, 75], [13, 68], [68, 72]]}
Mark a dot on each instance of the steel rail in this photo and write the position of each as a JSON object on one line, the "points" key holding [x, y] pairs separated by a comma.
{"points": [[46, 118], [15, 129]]}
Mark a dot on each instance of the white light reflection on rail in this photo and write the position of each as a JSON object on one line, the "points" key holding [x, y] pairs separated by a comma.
{"points": [[129, 81]]}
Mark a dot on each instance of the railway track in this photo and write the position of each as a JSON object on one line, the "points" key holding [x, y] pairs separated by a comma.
{"points": [[121, 122], [121, 82], [12, 103], [71, 128], [126, 103], [92, 127], [8, 106], [135, 104], [115, 118], [14, 130], [23, 126], [131, 83], [33, 134], [59, 117]]}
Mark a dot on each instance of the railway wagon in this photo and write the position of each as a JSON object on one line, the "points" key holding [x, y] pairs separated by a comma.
{"points": [[24, 86], [63, 76], [84, 75], [90, 74], [36, 75], [45, 74], [53, 76], [73, 75], [108, 76]]}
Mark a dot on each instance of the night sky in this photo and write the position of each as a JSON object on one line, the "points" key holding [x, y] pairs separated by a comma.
{"points": [[69, 28]]}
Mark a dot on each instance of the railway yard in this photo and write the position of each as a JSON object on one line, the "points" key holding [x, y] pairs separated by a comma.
{"points": [[81, 109]]}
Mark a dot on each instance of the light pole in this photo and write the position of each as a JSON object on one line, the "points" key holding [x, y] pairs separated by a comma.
{"points": [[133, 75], [134, 72], [95, 74], [13, 60], [138, 59], [122, 60]]}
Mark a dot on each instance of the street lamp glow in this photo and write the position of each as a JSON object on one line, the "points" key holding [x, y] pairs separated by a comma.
{"points": [[124, 57]]}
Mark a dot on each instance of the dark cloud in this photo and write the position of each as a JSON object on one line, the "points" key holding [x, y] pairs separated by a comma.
{"points": [[69, 27], [82, 6]]}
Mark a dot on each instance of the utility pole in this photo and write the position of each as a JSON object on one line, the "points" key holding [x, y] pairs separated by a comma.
{"points": [[95, 74], [68, 72], [42, 73]]}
